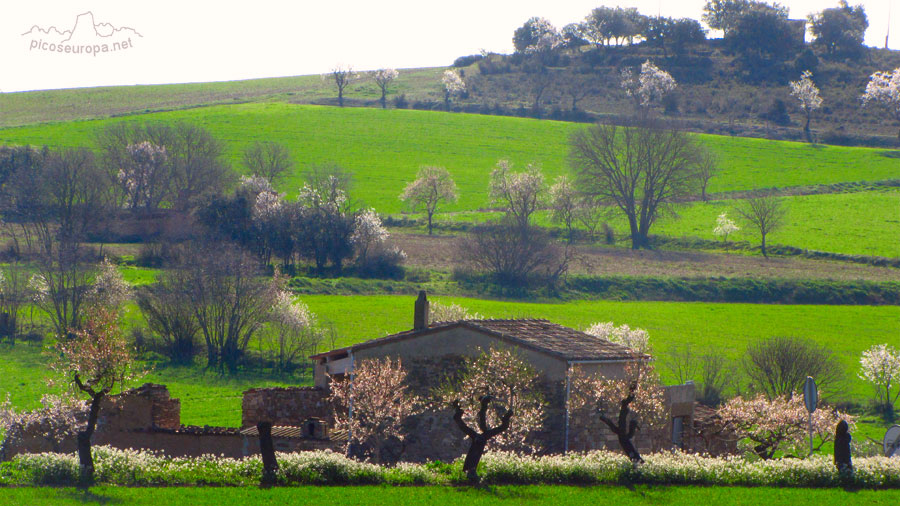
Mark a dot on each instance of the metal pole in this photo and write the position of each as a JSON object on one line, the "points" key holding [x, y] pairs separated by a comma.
{"points": [[810, 436], [568, 379]]}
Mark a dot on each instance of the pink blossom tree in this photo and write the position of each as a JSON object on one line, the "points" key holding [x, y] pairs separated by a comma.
{"points": [[780, 424], [625, 405], [95, 363], [512, 386], [380, 399]]}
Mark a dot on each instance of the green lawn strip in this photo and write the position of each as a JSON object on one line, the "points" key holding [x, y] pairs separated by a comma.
{"points": [[209, 398], [385, 148], [382, 495], [846, 330]]}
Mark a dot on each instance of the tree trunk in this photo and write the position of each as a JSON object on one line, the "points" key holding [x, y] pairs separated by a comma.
{"points": [[763, 246], [473, 457], [267, 450], [429, 222], [341, 97], [383, 99], [85, 458]]}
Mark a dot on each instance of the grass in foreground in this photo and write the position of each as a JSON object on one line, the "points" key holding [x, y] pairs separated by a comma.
{"points": [[552, 495]]}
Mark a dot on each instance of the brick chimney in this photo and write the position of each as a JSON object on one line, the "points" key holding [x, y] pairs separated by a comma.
{"points": [[420, 317]]}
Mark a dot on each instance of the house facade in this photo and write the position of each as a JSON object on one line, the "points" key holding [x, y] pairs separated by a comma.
{"points": [[432, 352]]}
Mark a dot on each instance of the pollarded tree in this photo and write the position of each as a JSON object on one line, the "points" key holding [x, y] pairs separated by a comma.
{"points": [[343, 75], [433, 185], [383, 78], [512, 386], [641, 170], [883, 90], [453, 86], [779, 424], [649, 87], [623, 405], [379, 397], [807, 93], [520, 193], [766, 214], [96, 362], [880, 366]]}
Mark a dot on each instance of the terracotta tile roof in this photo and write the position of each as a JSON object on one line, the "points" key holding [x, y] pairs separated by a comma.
{"points": [[540, 335]]}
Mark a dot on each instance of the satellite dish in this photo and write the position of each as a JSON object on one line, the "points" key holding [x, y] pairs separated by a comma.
{"points": [[892, 442]]}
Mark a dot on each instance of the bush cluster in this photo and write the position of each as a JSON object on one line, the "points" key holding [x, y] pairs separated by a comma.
{"points": [[131, 467]]}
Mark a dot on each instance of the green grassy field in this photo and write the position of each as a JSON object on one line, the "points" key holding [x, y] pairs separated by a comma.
{"points": [[555, 495], [386, 148], [211, 399]]}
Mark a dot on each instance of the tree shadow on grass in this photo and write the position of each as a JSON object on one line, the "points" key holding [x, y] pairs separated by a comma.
{"points": [[512, 493], [88, 497], [890, 154]]}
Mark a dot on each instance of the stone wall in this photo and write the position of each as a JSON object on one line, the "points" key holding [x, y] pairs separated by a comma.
{"points": [[285, 406]]}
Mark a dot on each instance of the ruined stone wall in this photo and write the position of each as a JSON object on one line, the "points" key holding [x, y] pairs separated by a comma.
{"points": [[285, 406]]}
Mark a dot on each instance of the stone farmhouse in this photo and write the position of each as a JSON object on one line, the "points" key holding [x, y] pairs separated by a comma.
{"points": [[147, 418]]}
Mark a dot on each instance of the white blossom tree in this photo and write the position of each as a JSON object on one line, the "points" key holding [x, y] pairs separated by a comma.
{"points": [[884, 90], [880, 366], [143, 178], [452, 312], [564, 202], [520, 193], [110, 290], [381, 401], [649, 87], [294, 329], [343, 75], [368, 233], [807, 93], [383, 78], [58, 419], [725, 227], [636, 339], [453, 86], [432, 186]]}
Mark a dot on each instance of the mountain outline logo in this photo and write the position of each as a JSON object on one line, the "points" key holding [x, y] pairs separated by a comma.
{"points": [[85, 37]]}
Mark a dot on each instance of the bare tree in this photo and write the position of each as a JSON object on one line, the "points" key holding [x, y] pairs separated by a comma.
{"points": [[75, 191], [60, 286], [343, 75], [577, 87], [707, 168], [642, 170], [778, 366], [765, 213], [231, 302], [166, 306], [513, 256], [198, 165], [270, 160], [14, 294]]}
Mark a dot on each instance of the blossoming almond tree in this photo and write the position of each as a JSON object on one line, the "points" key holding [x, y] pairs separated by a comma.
{"points": [[884, 90], [142, 180], [95, 363], [636, 339], [807, 93], [453, 85], [780, 424], [649, 87], [56, 420], [625, 405], [511, 385], [381, 401], [110, 290], [432, 186], [368, 233], [294, 327], [520, 193], [725, 227], [438, 312], [343, 75], [383, 78], [880, 366]]}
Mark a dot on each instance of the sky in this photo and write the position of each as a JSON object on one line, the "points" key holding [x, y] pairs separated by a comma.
{"points": [[167, 41]]}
